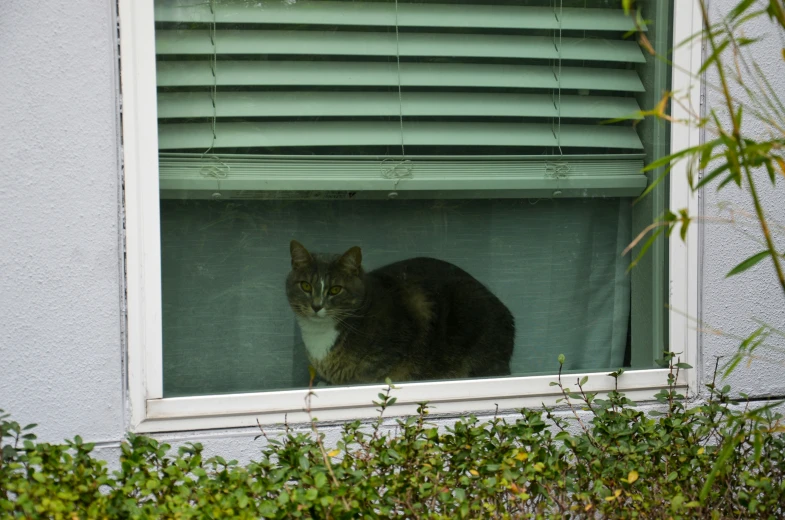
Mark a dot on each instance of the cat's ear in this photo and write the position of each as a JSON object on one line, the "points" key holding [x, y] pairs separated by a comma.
{"points": [[352, 260], [301, 258]]}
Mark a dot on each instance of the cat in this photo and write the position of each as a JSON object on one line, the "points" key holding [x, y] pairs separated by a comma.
{"points": [[413, 320]]}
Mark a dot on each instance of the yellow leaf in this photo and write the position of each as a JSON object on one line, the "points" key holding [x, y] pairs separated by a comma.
{"points": [[334, 453], [700, 451], [632, 477], [781, 164], [522, 456], [610, 498], [474, 472], [617, 493], [588, 506]]}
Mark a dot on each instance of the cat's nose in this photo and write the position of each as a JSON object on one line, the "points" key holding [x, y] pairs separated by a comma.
{"points": [[316, 307]]}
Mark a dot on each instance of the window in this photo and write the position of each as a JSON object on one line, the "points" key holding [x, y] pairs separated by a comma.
{"points": [[475, 133]]}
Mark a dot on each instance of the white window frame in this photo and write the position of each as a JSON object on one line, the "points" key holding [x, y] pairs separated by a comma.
{"points": [[151, 412]]}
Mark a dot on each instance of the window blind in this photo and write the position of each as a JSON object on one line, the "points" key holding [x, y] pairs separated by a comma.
{"points": [[364, 99]]}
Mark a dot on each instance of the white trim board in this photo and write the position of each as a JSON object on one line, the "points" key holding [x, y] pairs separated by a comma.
{"points": [[684, 254], [150, 412], [143, 241]]}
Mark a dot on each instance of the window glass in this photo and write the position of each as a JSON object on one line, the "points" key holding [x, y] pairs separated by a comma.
{"points": [[414, 190]]}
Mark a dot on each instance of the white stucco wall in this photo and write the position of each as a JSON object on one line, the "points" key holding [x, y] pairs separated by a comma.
{"points": [[60, 258], [730, 304], [61, 283]]}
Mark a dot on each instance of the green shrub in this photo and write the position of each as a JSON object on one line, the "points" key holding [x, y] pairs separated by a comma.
{"points": [[712, 460]]}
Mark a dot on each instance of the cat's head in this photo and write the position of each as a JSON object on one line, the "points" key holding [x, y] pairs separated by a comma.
{"points": [[325, 286]]}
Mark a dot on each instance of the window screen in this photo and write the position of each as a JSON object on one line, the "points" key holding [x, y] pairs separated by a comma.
{"points": [[485, 134]]}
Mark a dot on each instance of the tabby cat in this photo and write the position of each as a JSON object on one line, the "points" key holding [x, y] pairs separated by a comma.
{"points": [[417, 319]]}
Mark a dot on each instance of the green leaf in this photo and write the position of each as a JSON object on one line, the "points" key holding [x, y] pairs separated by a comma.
{"points": [[653, 185], [770, 170], [685, 225], [740, 8], [712, 175], [749, 262], [730, 443], [714, 57], [645, 248]]}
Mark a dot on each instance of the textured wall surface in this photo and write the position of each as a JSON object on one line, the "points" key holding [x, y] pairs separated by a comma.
{"points": [[60, 263], [61, 314], [733, 304]]}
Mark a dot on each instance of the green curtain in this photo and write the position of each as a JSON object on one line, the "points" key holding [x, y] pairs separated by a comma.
{"points": [[227, 326]]}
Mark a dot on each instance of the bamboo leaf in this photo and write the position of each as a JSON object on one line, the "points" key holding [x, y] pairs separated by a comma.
{"points": [[740, 8], [663, 161], [712, 175], [781, 164], [725, 453], [713, 57], [654, 184], [645, 248], [749, 262], [685, 224], [772, 173]]}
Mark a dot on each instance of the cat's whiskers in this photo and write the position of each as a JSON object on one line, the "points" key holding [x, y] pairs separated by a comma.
{"points": [[350, 327]]}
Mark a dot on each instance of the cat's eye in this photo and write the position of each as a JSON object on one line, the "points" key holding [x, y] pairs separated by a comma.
{"points": [[305, 286], [336, 289]]}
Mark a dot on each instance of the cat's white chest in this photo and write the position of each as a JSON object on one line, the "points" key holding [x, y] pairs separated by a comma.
{"points": [[318, 336]]}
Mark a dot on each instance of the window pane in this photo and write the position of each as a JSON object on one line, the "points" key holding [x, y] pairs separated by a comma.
{"points": [[471, 134]]}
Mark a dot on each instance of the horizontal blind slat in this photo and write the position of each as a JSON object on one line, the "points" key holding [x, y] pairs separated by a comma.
{"points": [[329, 74], [382, 133], [370, 14], [380, 104], [254, 176], [234, 42]]}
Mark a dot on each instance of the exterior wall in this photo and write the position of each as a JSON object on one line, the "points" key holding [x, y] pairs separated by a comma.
{"points": [[731, 304], [61, 333], [61, 262]]}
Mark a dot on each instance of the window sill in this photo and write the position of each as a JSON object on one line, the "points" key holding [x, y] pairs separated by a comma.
{"points": [[349, 403]]}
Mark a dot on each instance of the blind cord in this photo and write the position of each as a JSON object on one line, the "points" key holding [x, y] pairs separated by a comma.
{"points": [[401, 169], [214, 71], [559, 18], [217, 169], [558, 169]]}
